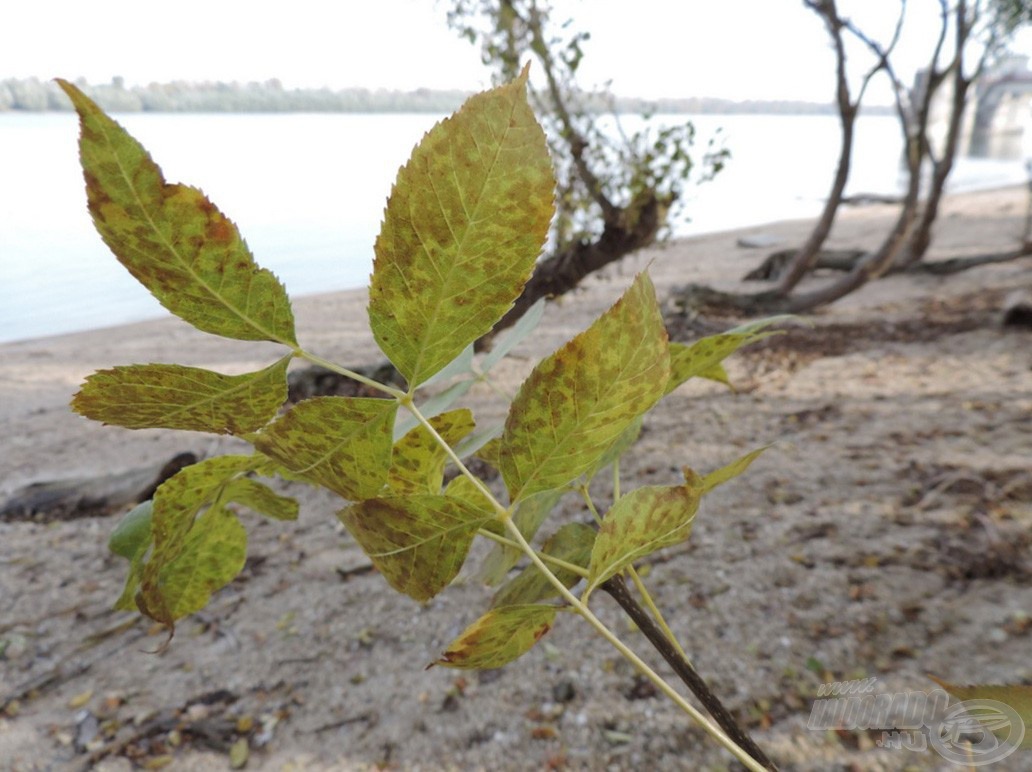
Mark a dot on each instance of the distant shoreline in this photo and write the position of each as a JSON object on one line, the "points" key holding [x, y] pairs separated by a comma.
{"points": [[34, 95]]}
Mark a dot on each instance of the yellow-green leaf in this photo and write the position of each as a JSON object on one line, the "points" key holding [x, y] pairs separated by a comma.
{"points": [[490, 452], [464, 225], [211, 555], [417, 461], [173, 239], [262, 499], [499, 637], [572, 543], [465, 489], [619, 446], [732, 470], [418, 543], [197, 544], [341, 443], [578, 401], [702, 359], [716, 373], [638, 524], [177, 397]]}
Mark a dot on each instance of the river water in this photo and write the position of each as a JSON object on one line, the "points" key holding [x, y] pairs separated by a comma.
{"points": [[308, 190]]}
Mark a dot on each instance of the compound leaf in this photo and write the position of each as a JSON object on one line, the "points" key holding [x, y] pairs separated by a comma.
{"points": [[645, 520], [173, 239], [417, 462], [499, 637], [418, 543], [177, 397], [578, 401], [572, 543], [464, 225], [341, 443]]}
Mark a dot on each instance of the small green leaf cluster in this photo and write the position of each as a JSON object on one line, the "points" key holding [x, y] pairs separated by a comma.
{"points": [[465, 223]]}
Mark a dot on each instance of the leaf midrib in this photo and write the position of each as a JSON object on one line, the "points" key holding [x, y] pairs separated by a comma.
{"points": [[470, 218], [554, 452], [241, 383], [269, 335]]}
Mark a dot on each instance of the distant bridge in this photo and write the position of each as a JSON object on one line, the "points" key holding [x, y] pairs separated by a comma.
{"points": [[1003, 112]]}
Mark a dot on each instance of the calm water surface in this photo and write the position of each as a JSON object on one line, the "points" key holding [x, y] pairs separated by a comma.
{"points": [[308, 191]]}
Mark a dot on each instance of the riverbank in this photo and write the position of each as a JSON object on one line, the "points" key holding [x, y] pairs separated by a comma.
{"points": [[884, 535]]}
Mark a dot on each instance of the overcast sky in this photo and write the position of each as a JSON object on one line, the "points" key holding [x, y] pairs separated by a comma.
{"points": [[746, 49]]}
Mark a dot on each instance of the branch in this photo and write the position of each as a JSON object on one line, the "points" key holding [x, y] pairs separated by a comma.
{"points": [[616, 588], [570, 133]]}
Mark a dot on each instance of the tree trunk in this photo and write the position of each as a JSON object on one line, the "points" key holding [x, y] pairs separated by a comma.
{"points": [[941, 168], [808, 253], [563, 271]]}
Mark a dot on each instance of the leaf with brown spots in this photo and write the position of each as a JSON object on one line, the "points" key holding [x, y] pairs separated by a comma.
{"points": [[638, 524], [702, 358], [173, 239], [499, 637], [465, 489], [341, 443], [185, 543], [418, 543], [197, 545], [177, 397], [463, 228], [577, 402], [572, 543], [620, 445], [262, 499], [417, 462]]}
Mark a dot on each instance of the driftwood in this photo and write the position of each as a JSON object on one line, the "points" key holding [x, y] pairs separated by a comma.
{"points": [[317, 381], [776, 263], [99, 496], [866, 199]]}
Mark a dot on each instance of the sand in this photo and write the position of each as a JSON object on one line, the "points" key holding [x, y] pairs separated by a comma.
{"points": [[885, 534]]}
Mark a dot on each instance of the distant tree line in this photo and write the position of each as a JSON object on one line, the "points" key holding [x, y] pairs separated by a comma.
{"points": [[34, 95]]}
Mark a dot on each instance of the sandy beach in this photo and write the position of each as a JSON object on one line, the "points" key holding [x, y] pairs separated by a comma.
{"points": [[884, 535]]}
